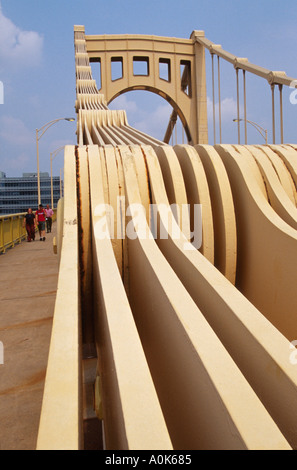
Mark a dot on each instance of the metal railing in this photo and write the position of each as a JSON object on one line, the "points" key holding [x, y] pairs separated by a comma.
{"points": [[12, 231]]}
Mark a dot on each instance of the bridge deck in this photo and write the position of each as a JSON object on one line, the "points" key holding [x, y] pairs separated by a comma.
{"points": [[28, 277]]}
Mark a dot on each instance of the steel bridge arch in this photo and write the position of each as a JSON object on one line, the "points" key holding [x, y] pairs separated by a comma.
{"points": [[185, 91], [177, 111]]}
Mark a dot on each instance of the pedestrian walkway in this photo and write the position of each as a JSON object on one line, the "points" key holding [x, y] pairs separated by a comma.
{"points": [[28, 279]]}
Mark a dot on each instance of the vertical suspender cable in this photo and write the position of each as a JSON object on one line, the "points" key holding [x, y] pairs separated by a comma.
{"points": [[238, 115], [245, 121], [220, 111], [213, 103], [281, 113], [273, 112]]}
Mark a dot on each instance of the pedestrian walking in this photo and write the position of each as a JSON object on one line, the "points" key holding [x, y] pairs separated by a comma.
{"points": [[49, 218], [30, 224], [40, 221]]}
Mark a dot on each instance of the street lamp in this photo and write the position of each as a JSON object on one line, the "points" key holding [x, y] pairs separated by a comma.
{"points": [[260, 129], [52, 157], [43, 129]]}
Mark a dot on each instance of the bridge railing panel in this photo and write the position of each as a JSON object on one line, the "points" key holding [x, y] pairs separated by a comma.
{"points": [[12, 231]]}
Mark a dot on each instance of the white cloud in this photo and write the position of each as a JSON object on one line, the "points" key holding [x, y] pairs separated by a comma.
{"points": [[155, 123], [122, 102], [13, 131], [19, 47], [228, 109], [17, 145], [152, 122]]}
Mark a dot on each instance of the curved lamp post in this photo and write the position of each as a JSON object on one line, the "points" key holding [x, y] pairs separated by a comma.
{"points": [[260, 129], [52, 157], [43, 129]]}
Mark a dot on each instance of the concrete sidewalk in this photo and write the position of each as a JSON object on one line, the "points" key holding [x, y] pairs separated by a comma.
{"points": [[28, 280]]}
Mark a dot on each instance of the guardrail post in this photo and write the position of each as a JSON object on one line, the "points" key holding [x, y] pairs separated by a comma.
{"points": [[2, 249], [19, 229], [11, 231]]}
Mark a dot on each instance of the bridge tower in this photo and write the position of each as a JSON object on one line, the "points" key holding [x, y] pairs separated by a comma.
{"points": [[170, 67]]}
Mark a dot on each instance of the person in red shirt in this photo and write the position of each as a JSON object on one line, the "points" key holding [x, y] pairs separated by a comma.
{"points": [[40, 221]]}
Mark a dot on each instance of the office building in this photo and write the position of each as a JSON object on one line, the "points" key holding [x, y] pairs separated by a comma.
{"points": [[17, 194]]}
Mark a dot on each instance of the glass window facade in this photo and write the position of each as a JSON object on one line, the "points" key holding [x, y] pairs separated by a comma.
{"points": [[17, 194]]}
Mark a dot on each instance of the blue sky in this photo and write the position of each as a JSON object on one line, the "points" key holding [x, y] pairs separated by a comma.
{"points": [[38, 73]]}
